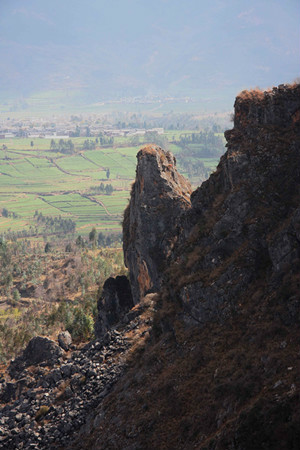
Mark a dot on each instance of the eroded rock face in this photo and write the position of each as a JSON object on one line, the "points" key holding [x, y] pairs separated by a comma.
{"points": [[279, 107], [160, 195]]}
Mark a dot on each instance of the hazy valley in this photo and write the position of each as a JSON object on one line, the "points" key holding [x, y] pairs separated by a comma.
{"points": [[149, 225]]}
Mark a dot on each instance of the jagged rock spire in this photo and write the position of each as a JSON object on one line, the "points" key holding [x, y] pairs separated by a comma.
{"points": [[159, 197]]}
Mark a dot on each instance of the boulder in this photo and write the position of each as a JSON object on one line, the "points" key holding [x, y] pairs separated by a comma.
{"points": [[39, 349], [64, 340], [8, 393]]}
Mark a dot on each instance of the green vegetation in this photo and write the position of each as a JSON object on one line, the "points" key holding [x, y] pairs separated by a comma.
{"points": [[198, 153], [63, 146], [85, 182], [46, 288]]}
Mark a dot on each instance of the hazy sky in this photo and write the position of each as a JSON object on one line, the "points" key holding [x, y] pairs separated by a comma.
{"points": [[108, 48]]}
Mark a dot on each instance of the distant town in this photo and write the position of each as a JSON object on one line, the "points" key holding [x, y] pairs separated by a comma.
{"points": [[68, 127]]}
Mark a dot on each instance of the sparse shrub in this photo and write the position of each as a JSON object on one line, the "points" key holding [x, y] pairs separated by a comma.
{"points": [[52, 276], [80, 241], [81, 326], [69, 248], [48, 248], [251, 94], [16, 295]]}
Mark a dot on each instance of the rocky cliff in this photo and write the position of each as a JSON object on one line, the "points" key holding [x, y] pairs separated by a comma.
{"points": [[159, 196], [221, 370], [237, 215], [245, 219]]}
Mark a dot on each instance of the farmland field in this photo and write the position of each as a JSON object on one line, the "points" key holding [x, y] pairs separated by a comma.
{"points": [[34, 178]]}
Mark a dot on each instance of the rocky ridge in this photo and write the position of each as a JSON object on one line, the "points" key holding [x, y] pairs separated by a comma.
{"points": [[244, 219]]}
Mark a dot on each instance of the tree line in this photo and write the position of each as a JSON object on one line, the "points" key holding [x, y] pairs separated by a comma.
{"points": [[6, 213], [205, 144], [63, 146], [99, 239], [55, 224], [102, 189]]}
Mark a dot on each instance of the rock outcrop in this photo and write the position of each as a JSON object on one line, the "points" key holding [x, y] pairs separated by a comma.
{"points": [[115, 301], [65, 340], [276, 107], [159, 196]]}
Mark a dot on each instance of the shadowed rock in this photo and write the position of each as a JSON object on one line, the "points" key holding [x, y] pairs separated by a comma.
{"points": [[115, 302]]}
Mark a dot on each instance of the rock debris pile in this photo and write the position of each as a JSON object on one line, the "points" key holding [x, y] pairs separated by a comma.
{"points": [[50, 393]]}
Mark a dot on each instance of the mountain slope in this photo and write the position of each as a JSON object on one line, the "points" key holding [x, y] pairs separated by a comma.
{"points": [[221, 369]]}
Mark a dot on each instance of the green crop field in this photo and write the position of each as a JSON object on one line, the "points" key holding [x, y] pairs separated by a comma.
{"points": [[35, 178]]}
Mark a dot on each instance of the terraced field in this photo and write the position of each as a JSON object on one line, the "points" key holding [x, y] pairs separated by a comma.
{"points": [[54, 184]]}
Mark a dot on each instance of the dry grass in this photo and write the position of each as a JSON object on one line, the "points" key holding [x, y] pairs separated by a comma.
{"points": [[193, 386], [258, 94], [255, 94], [42, 412]]}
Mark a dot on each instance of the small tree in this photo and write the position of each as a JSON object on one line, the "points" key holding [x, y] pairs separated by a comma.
{"points": [[47, 247], [69, 248], [92, 236], [108, 241], [109, 189], [80, 241], [16, 295], [101, 239], [53, 145]]}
